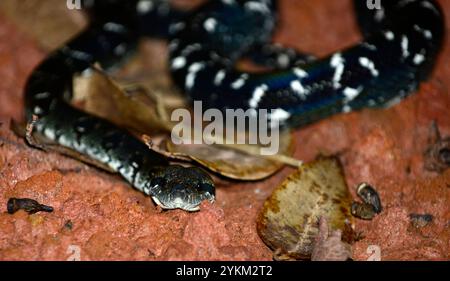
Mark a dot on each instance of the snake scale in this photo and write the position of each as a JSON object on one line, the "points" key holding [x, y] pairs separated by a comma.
{"points": [[401, 42]]}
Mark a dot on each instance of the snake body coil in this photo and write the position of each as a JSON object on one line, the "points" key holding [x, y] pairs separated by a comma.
{"points": [[401, 41]]}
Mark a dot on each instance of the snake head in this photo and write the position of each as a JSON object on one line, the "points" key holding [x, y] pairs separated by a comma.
{"points": [[177, 187]]}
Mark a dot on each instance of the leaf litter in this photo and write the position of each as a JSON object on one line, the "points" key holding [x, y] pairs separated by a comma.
{"points": [[289, 220]]}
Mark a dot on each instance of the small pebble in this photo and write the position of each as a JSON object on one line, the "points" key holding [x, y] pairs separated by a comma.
{"points": [[370, 196], [371, 202], [420, 220], [363, 211]]}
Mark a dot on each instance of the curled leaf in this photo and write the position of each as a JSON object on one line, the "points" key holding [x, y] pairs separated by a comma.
{"points": [[241, 162], [288, 223], [101, 96]]}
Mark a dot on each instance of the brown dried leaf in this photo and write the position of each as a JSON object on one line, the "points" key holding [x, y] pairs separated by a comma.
{"points": [[241, 162], [140, 95], [288, 223], [148, 70], [102, 97]]}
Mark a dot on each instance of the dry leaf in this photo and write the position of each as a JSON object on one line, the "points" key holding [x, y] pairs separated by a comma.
{"points": [[288, 223], [241, 162], [102, 97]]}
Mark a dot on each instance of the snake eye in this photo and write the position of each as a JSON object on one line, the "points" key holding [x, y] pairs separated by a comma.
{"points": [[158, 181]]}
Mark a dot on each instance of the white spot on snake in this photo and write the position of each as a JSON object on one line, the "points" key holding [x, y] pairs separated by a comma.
{"points": [[337, 62], [300, 73], [114, 27], [389, 35], [239, 82], [257, 7], [178, 62], [404, 44], [346, 108], [404, 2], [76, 54], [283, 60], [42, 95], [298, 88], [228, 2], [351, 93], [175, 27], [365, 62], [50, 133], [279, 114], [369, 46], [258, 93], [37, 110], [426, 33], [431, 7], [120, 49], [191, 48], [144, 6], [372, 102], [65, 141], [379, 15], [210, 24], [219, 77], [393, 102], [418, 59], [193, 70], [173, 45], [103, 157]]}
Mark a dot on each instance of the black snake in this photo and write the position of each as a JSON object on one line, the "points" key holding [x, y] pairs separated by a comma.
{"points": [[400, 45]]}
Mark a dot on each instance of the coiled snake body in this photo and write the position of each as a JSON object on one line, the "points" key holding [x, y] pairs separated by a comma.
{"points": [[401, 42]]}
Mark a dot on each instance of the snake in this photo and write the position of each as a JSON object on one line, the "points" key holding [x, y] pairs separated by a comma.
{"points": [[398, 50]]}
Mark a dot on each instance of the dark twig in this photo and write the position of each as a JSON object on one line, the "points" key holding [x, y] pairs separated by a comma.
{"points": [[28, 205]]}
